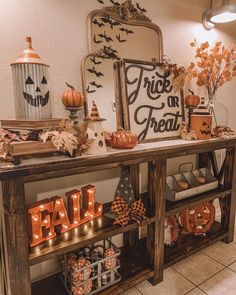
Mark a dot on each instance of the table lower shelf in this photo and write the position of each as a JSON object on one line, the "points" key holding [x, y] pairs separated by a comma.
{"points": [[189, 244], [100, 228], [135, 268]]}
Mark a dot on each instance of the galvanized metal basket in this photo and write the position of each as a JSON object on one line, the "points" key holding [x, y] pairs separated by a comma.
{"points": [[174, 192], [96, 275]]}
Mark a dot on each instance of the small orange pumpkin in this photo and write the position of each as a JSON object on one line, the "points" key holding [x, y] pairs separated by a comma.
{"points": [[123, 139], [192, 100], [72, 98]]}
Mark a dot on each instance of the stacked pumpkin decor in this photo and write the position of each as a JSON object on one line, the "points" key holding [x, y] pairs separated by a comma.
{"points": [[192, 100], [73, 100], [199, 119]]}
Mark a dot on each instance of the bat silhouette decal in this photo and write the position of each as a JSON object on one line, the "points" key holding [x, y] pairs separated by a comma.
{"points": [[105, 37], [140, 8], [96, 22], [114, 23], [96, 41], [90, 91], [107, 20], [93, 71], [94, 61], [96, 85], [127, 31], [115, 3], [110, 52], [118, 37]]}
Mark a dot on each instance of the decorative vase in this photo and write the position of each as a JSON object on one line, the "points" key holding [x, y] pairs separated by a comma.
{"points": [[31, 85]]}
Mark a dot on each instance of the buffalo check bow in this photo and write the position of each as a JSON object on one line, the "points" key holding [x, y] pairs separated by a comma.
{"points": [[124, 213]]}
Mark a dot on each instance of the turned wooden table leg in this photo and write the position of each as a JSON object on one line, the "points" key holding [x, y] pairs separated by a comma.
{"points": [[155, 235], [228, 204], [15, 217]]}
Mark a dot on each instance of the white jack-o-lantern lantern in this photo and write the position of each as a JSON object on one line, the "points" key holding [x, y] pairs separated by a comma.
{"points": [[95, 132], [31, 85]]}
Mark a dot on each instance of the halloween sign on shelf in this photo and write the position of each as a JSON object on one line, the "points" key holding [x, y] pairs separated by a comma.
{"points": [[152, 109], [198, 219], [31, 85], [50, 217]]}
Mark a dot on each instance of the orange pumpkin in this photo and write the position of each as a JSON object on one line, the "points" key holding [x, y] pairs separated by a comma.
{"points": [[192, 100], [123, 139], [72, 98]]}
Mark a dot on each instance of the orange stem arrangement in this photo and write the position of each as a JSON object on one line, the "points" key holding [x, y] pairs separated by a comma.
{"points": [[213, 67]]}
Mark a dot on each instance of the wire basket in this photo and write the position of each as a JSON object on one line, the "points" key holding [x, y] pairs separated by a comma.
{"points": [[91, 269]]}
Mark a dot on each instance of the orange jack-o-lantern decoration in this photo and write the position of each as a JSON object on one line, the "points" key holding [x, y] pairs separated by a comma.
{"points": [[123, 139], [192, 100], [72, 98], [198, 219]]}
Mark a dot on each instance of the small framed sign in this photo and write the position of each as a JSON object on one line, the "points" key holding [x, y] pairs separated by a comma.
{"points": [[151, 108]]}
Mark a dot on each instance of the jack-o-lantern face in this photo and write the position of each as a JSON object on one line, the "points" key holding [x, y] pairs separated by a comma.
{"points": [[38, 99], [198, 219], [206, 129]]}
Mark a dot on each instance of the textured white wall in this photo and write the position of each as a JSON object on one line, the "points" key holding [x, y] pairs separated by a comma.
{"points": [[59, 32]]}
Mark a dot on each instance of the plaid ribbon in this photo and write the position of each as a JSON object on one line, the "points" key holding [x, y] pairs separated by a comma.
{"points": [[124, 213]]}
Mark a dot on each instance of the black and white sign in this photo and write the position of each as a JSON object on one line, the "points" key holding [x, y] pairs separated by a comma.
{"points": [[152, 109]]}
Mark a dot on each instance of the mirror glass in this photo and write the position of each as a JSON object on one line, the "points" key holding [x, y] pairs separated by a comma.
{"points": [[99, 86]]}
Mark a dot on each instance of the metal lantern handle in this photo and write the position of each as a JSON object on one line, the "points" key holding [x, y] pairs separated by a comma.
{"points": [[184, 164]]}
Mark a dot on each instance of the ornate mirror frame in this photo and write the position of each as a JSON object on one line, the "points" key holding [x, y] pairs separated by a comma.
{"points": [[126, 14], [127, 17]]}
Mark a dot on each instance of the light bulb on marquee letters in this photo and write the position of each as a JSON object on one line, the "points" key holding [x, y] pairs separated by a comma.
{"points": [[73, 201], [90, 209], [39, 222], [60, 221]]}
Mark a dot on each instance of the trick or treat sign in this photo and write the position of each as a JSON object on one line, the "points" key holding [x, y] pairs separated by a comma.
{"points": [[152, 109], [51, 217]]}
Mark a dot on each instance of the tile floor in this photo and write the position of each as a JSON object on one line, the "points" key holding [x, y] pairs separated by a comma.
{"points": [[211, 271]]}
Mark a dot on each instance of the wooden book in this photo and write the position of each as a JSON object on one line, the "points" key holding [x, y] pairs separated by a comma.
{"points": [[29, 148], [30, 124]]}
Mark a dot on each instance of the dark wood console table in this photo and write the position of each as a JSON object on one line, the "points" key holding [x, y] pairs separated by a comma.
{"points": [[142, 259]]}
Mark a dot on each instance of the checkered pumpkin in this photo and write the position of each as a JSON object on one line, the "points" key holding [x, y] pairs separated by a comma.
{"points": [[110, 262]]}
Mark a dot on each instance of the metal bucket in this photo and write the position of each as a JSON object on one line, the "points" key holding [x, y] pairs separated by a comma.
{"points": [[31, 85], [31, 91]]}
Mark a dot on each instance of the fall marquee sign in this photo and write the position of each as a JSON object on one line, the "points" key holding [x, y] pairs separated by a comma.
{"points": [[50, 217]]}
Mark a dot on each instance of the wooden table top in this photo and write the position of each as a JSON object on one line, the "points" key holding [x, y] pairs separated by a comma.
{"points": [[60, 165]]}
